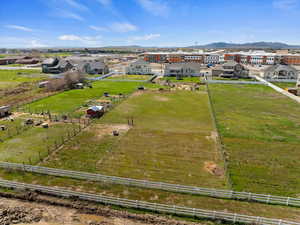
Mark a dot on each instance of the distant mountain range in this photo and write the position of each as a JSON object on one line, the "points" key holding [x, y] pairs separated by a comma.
{"points": [[274, 45]]}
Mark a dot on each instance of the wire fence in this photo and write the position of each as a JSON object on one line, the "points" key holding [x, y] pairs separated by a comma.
{"points": [[219, 140], [10, 131], [216, 193], [155, 207]]}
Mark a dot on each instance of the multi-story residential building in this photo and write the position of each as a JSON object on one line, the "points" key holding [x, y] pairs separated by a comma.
{"points": [[211, 59], [139, 67], [182, 69], [155, 57], [250, 57], [174, 57], [231, 69]]}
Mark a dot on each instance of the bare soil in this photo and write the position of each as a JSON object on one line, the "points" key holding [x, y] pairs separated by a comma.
{"points": [[34, 209], [213, 168], [107, 129]]}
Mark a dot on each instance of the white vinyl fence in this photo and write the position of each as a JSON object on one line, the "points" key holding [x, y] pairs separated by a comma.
{"points": [[161, 208], [233, 82], [217, 193]]}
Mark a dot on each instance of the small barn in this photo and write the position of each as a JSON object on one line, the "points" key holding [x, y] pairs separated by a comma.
{"points": [[5, 111], [95, 111]]}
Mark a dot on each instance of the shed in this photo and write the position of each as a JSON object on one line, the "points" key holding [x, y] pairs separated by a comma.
{"points": [[5, 111], [95, 111]]}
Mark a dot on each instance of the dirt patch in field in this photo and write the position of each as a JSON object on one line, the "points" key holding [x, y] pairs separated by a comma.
{"points": [[161, 98], [213, 169], [137, 93], [213, 136], [102, 130]]}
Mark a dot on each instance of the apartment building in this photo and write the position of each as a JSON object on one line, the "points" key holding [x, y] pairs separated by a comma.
{"points": [[253, 57]]}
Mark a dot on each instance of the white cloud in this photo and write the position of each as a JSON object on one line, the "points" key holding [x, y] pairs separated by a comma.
{"points": [[16, 27], [70, 15], [285, 4], [155, 7], [105, 2], [21, 42], [86, 40], [96, 28], [144, 38], [36, 44], [123, 27], [69, 37], [76, 5]]}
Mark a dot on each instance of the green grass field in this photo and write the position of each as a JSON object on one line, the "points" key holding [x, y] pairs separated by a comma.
{"points": [[129, 77], [260, 129], [69, 101], [29, 145], [155, 196], [285, 85], [12, 78], [172, 140], [184, 79], [13, 65]]}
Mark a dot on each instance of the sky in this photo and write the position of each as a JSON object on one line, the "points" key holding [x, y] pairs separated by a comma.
{"points": [[161, 23]]}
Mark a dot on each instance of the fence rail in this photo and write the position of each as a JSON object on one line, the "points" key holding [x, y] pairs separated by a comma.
{"points": [[156, 207], [216, 193], [233, 82]]}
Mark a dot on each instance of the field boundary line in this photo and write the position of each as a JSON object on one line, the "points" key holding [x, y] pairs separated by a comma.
{"points": [[154, 207], [278, 89], [219, 139], [210, 192]]}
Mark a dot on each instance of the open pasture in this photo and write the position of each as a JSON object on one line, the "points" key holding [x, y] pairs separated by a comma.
{"points": [[260, 130], [172, 139], [69, 101]]}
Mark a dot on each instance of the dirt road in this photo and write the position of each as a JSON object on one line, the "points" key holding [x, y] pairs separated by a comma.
{"points": [[13, 211]]}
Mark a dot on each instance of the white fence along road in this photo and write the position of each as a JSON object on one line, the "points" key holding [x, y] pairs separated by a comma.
{"points": [[216, 193], [155, 207]]}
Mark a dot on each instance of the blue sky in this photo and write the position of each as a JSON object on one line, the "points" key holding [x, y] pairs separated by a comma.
{"points": [[96, 23]]}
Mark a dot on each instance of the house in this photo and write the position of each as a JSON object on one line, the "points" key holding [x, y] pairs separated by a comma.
{"points": [[48, 63], [231, 69], [190, 69], [94, 67], [5, 111], [54, 65], [95, 111], [280, 71], [90, 65], [139, 67]]}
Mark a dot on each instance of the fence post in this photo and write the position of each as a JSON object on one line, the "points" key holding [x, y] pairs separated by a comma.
{"points": [[249, 196], [268, 200], [288, 201]]}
